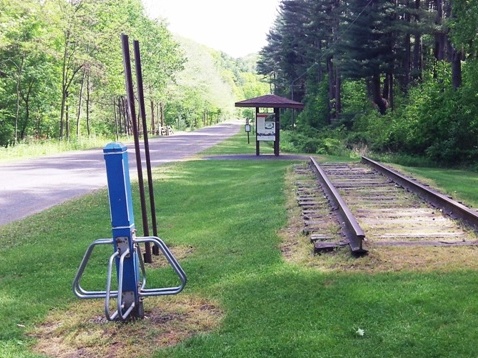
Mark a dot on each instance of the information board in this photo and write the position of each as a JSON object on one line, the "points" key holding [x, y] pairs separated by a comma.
{"points": [[266, 126]]}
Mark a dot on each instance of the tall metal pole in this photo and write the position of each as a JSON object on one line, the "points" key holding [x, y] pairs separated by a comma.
{"points": [[131, 107], [142, 111]]}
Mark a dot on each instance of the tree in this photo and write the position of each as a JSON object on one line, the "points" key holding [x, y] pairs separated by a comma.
{"points": [[25, 61]]}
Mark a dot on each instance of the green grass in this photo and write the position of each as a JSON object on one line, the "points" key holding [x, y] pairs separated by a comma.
{"points": [[32, 149], [230, 213], [238, 144], [460, 184]]}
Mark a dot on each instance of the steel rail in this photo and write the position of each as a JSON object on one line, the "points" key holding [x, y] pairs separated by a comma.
{"points": [[351, 227], [449, 206]]}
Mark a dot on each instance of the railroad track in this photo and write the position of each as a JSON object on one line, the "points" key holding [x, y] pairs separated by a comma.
{"points": [[366, 205]]}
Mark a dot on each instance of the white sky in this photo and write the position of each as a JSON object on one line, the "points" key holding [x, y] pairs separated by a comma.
{"points": [[236, 27]]}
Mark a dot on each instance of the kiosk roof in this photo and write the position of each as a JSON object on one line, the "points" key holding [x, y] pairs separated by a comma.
{"points": [[270, 101]]}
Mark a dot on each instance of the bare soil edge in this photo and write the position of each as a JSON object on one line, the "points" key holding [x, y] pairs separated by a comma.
{"points": [[83, 331]]}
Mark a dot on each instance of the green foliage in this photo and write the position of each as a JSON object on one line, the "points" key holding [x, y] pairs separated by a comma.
{"points": [[316, 111], [399, 76], [6, 129], [356, 104], [61, 71], [325, 141], [63, 63], [464, 26], [365, 46], [204, 76], [208, 86], [435, 121]]}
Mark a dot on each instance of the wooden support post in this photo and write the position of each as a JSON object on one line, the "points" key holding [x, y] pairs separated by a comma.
{"points": [[257, 142], [277, 134]]}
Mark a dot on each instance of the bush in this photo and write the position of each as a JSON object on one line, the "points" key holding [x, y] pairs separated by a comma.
{"points": [[435, 122], [326, 141]]}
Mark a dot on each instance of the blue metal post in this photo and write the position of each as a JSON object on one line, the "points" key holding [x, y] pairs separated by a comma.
{"points": [[123, 229]]}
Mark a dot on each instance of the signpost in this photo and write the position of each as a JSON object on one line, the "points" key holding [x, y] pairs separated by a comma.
{"points": [[248, 129]]}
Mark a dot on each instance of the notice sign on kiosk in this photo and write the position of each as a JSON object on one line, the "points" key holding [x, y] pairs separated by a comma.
{"points": [[266, 126]]}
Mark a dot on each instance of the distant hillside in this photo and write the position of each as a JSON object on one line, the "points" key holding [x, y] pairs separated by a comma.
{"points": [[221, 79], [201, 71]]}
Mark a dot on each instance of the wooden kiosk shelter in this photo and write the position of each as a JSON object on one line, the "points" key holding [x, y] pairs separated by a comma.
{"points": [[268, 124]]}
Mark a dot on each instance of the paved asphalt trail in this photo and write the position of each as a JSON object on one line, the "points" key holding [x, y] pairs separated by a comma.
{"points": [[30, 186]]}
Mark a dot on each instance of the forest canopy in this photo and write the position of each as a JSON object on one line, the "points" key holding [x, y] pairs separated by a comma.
{"points": [[61, 72], [394, 76], [387, 76]]}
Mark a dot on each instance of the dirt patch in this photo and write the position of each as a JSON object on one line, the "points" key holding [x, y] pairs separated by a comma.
{"points": [[422, 258], [295, 245], [82, 330], [180, 252]]}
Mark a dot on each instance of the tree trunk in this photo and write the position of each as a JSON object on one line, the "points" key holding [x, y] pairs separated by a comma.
{"points": [[440, 43], [69, 71], [406, 64], [391, 94], [88, 129], [153, 124], [377, 95], [417, 49], [116, 119], [161, 113], [26, 100], [456, 69], [63, 85], [331, 91], [125, 113], [17, 114], [456, 58], [78, 112], [67, 117], [338, 93]]}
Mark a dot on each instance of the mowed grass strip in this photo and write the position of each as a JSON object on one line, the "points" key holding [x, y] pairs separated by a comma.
{"points": [[461, 185], [226, 216]]}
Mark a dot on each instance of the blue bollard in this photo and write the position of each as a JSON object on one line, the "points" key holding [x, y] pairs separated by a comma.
{"points": [[126, 256], [123, 229]]}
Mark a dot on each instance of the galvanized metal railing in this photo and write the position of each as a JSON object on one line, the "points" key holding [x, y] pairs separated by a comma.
{"points": [[126, 256], [122, 312]]}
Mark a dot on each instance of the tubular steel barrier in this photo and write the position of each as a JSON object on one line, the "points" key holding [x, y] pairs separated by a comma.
{"points": [[126, 256]]}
